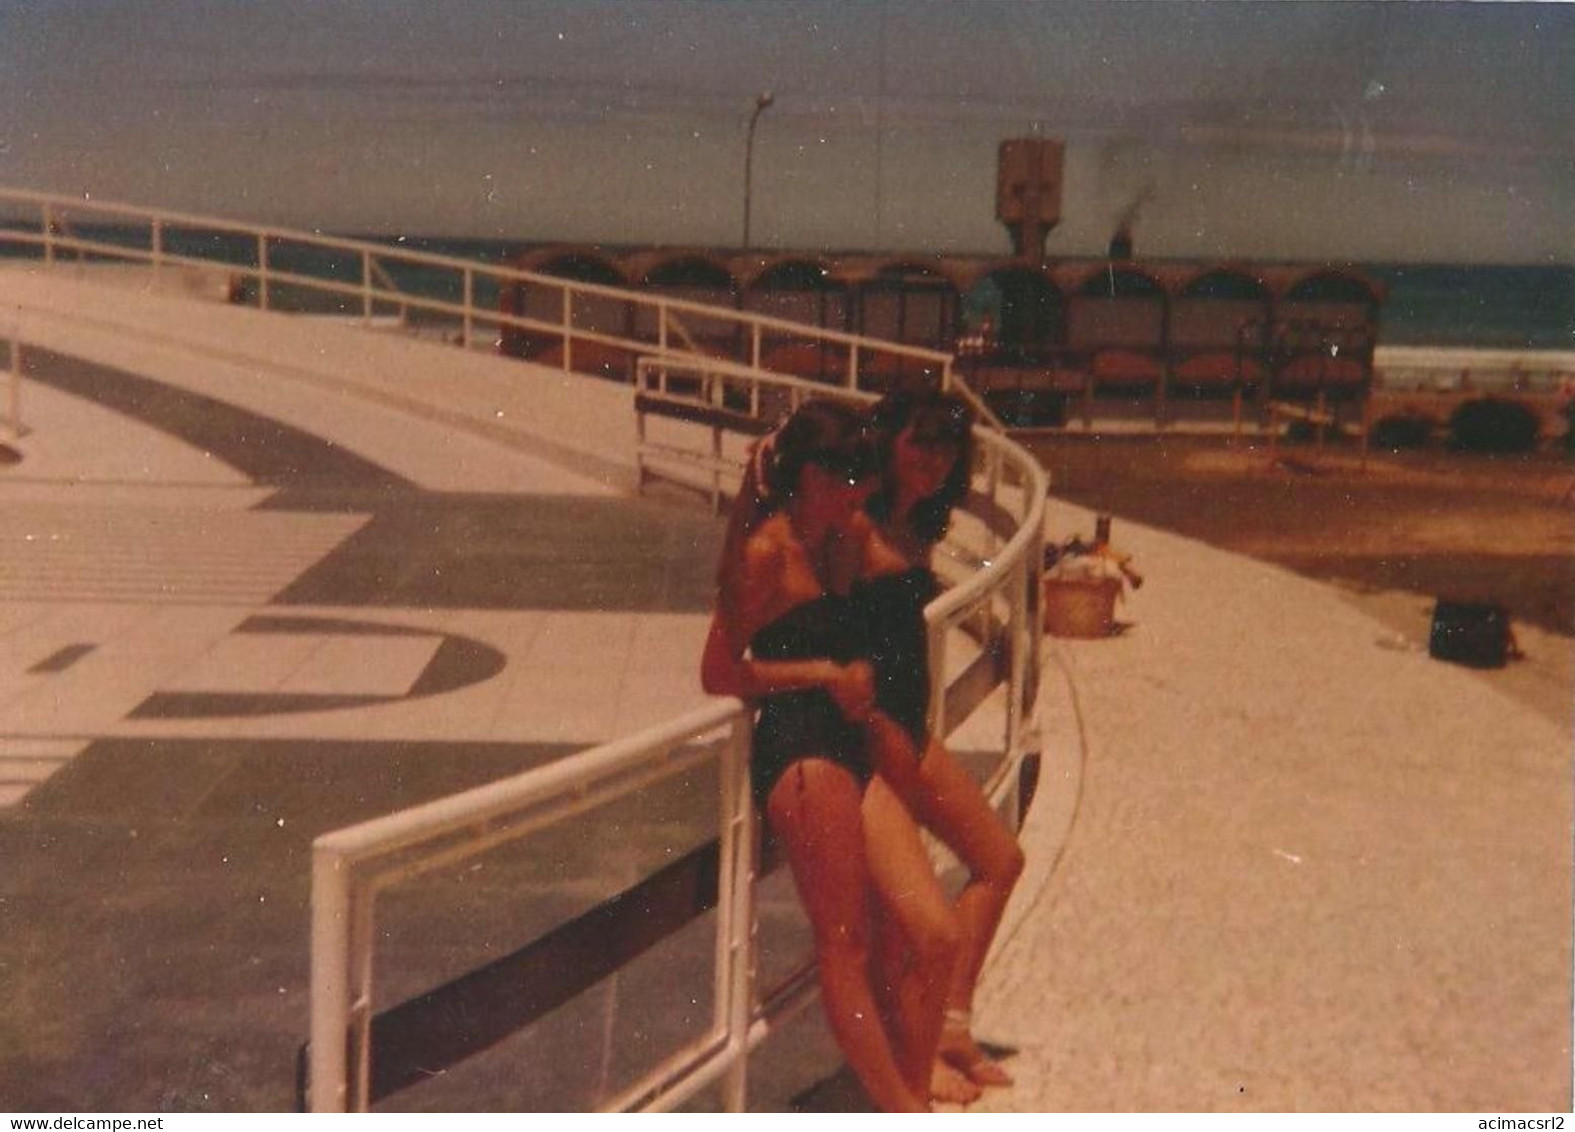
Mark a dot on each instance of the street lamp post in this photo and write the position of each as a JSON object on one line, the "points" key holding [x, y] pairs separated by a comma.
{"points": [[765, 99]]}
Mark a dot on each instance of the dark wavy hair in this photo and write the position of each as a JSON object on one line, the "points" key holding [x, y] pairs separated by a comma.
{"points": [[832, 435], [937, 418]]}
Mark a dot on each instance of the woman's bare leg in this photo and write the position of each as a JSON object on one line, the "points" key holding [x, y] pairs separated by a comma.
{"points": [[956, 811], [816, 810], [890, 971], [904, 881], [888, 959]]}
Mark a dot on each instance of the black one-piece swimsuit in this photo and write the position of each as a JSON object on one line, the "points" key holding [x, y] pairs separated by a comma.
{"points": [[801, 724], [890, 612]]}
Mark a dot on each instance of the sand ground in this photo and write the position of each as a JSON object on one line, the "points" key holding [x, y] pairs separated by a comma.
{"points": [[1394, 534]]}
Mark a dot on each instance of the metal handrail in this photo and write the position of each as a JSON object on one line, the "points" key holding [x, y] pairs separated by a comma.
{"points": [[52, 234], [351, 866]]}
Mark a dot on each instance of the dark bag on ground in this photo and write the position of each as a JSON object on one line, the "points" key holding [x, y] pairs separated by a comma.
{"points": [[1474, 633]]}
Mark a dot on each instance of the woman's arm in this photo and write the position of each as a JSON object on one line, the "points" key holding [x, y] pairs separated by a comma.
{"points": [[744, 604]]}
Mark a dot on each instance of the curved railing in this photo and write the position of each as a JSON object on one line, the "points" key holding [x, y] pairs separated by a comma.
{"points": [[984, 637], [984, 633], [280, 268]]}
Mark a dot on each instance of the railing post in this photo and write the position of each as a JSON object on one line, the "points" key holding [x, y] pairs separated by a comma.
{"points": [[263, 285], [1035, 604], [360, 979], [470, 306], [330, 1019], [853, 364], [754, 346], [366, 287], [735, 922], [716, 470], [937, 650], [568, 324], [1016, 701], [15, 396], [641, 370]]}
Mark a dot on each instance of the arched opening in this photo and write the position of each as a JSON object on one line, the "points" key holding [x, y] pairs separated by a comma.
{"points": [[1218, 326], [911, 303], [588, 312], [1012, 352], [1324, 329], [1116, 330], [801, 291], [693, 279], [1030, 327]]}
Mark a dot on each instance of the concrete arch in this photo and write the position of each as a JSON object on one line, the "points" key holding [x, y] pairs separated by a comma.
{"points": [[696, 277], [895, 271], [796, 274], [909, 301], [1117, 281], [801, 289], [1331, 285], [1219, 323], [583, 263], [1226, 283], [690, 271], [785, 272]]}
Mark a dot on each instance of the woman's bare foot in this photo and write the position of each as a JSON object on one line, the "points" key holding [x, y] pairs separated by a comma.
{"points": [[962, 1053], [949, 1085]]}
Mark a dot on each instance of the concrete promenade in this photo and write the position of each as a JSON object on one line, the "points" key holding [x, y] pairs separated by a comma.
{"points": [[260, 578]]}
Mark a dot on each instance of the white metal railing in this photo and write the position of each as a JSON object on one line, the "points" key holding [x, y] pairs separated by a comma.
{"points": [[352, 866], [53, 226], [14, 380]]}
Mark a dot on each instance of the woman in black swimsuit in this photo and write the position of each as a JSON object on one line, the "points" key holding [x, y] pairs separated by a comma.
{"points": [[926, 458], [784, 636]]}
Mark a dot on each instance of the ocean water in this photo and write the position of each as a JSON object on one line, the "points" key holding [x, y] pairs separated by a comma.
{"points": [[1485, 306], [1522, 308]]}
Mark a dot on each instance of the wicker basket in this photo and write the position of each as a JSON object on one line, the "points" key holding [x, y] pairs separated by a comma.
{"points": [[1080, 607]]}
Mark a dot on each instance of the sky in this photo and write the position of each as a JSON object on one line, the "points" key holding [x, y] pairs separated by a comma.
{"points": [[1397, 130]]}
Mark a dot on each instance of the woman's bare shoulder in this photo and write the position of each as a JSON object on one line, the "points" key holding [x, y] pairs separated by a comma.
{"points": [[768, 543], [881, 554]]}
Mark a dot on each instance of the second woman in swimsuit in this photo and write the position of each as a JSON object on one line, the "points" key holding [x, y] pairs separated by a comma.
{"points": [[925, 447], [785, 637]]}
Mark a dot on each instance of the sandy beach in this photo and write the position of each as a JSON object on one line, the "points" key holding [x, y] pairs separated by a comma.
{"points": [[1393, 535]]}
